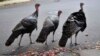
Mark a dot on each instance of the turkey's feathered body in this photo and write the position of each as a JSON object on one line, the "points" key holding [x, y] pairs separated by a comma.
{"points": [[50, 25], [52, 21], [76, 22], [44, 34], [55, 21], [26, 25], [70, 27]]}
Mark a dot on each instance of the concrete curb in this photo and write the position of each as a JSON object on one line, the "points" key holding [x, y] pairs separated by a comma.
{"points": [[10, 2]]}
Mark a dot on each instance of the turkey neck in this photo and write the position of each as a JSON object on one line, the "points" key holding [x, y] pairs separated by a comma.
{"points": [[35, 13], [81, 6], [59, 15]]}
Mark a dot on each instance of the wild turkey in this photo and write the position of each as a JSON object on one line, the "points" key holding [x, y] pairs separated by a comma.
{"points": [[26, 25], [50, 25], [76, 22]]}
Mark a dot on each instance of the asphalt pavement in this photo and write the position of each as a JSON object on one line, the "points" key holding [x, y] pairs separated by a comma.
{"points": [[11, 15]]}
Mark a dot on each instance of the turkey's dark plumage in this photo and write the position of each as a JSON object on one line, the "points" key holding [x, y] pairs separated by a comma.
{"points": [[26, 25], [76, 22], [50, 25]]}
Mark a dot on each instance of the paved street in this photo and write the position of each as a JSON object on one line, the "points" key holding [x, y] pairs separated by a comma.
{"points": [[11, 15]]}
